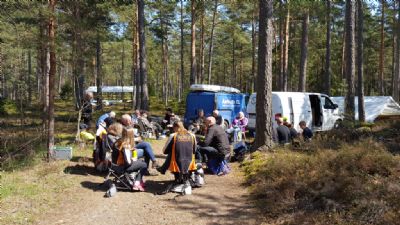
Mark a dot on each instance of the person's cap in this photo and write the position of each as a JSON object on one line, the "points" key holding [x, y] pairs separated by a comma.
{"points": [[83, 126]]}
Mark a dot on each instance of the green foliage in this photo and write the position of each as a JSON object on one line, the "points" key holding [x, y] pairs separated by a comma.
{"points": [[66, 91], [8, 107]]}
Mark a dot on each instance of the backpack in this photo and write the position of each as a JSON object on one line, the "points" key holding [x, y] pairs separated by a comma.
{"points": [[218, 166], [240, 149], [197, 177]]}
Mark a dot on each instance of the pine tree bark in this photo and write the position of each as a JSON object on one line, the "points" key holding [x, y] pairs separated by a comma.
{"points": [[281, 49], [136, 63], [99, 78], [253, 47], [164, 52], [350, 59], [234, 75], [286, 50], [382, 50], [360, 60], [2, 75], [202, 46], [142, 57], [52, 74], [396, 89], [211, 47], [182, 71], [263, 139], [193, 65], [304, 53], [327, 80]]}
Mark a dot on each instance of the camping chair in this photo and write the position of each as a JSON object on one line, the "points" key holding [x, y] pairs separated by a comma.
{"points": [[121, 179], [144, 130]]}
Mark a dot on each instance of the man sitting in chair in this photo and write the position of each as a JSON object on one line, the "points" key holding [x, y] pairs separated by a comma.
{"points": [[216, 144]]}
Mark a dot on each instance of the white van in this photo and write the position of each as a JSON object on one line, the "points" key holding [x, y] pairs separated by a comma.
{"points": [[316, 109]]}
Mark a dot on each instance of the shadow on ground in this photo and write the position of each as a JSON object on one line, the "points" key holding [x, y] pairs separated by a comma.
{"points": [[83, 170], [219, 209]]}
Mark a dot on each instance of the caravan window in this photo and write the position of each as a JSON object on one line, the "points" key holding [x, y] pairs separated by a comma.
{"points": [[328, 104]]}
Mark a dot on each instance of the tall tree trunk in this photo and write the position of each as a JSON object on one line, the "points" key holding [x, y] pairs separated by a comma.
{"points": [[396, 88], [281, 49], [99, 78], [360, 61], [181, 79], [286, 50], [350, 59], [44, 72], [327, 80], [381, 51], [193, 45], [343, 68], [134, 60], [136, 63], [122, 70], [253, 46], [2, 75], [164, 53], [202, 40], [304, 52], [234, 75], [211, 47], [263, 139], [29, 81], [52, 74], [142, 56]]}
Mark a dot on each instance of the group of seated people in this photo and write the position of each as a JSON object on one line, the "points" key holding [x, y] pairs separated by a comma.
{"points": [[125, 147], [285, 133]]}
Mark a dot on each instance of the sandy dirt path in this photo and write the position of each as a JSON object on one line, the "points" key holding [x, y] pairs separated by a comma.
{"points": [[222, 200]]}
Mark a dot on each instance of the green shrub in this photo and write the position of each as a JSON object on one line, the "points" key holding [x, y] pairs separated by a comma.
{"points": [[357, 183], [8, 107], [66, 92]]}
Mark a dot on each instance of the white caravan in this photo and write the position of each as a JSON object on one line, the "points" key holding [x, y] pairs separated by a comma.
{"points": [[316, 109]]}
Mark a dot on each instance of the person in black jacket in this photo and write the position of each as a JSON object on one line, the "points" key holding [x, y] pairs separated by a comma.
{"points": [[283, 132], [216, 143]]}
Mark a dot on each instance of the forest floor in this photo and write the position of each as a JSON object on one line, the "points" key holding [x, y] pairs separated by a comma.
{"points": [[70, 192]]}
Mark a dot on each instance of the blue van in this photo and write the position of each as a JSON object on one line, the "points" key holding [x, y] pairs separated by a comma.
{"points": [[228, 101]]}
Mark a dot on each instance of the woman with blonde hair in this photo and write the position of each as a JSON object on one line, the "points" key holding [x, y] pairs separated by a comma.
{"points": [[127, 158], [180, 149]]}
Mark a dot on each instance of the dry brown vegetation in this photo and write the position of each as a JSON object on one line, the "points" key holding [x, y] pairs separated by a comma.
{"points": [[345, 176]]}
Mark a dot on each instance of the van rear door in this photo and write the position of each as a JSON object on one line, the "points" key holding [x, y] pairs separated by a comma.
{"points": [[301, 110]]}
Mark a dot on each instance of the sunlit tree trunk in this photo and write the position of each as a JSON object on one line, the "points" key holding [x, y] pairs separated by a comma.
{"points": [[396, 80], [382, 50], [327, 80], [202, 46], [193, 45], [263, 139], [350, 59], [360, 60], [211, 47], [52, 74], [286, 50], [182, 71], [304, 53], [99, 78], [253, 46], [142, 56]]}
